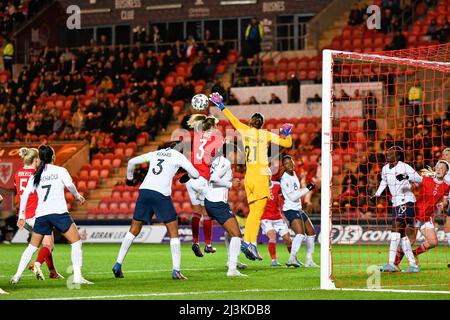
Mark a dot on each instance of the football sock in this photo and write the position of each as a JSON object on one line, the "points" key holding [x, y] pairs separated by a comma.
{"points": [[126, 243], [207, 230], [273, 249], [296, 244], [421, 249], [310, 247], [395, 240], [399, 256], [43, 253], [175, 249], [406, 247], [448, 236], [77, 260], [234, 251], [195, 226], [25, 259]]}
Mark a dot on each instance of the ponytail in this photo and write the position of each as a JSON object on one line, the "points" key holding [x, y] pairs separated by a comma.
{"points": [[46, 155], [202, 121]]}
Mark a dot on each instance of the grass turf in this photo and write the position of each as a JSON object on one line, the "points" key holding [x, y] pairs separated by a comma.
{"points": [[147, 270]]}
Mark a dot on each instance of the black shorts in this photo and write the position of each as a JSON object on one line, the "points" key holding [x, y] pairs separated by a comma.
{"points": [[152, 202], [291, 215], [219, 211], [44, 225], [405, 212]]}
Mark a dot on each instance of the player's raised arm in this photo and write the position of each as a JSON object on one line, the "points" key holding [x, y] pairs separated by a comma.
{"points": [[67, 181], [134, 162], [29, 189], [217, 99], [283, 142]]}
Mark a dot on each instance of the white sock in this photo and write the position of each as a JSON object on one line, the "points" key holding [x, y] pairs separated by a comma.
{"points": [[448, 236], [296, 244], [175, 249], [310, 248], [126, 243], [77, 260], [227, 245], [233, 252], [25, 260], [395, 240], [406, 247]]}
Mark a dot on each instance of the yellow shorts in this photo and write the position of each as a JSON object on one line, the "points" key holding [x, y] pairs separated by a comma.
{"points": [[256, 188]]}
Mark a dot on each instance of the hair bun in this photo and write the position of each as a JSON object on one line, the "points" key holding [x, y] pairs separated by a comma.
{"points": [[23, 152]]}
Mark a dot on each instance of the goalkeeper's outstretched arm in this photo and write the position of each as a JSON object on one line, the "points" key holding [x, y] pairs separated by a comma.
{"points": [[218, 101]]}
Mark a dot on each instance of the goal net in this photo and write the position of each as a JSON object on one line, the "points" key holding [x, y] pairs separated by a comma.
{"points": [[372, 102]]}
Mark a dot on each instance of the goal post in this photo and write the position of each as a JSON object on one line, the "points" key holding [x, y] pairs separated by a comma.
{"points": [[371, 102]]}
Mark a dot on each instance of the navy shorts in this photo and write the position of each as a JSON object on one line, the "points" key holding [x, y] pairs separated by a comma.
{"points": [[152, 202], [219, 211], [405, 212], [44, 225], [291, 215]]}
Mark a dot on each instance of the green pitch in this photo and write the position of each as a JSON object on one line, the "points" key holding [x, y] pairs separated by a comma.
{"points": [[147, 270]]}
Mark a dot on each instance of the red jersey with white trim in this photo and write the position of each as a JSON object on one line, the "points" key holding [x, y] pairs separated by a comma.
{"points": [[204, 146], [273, 206], [430, 194], [21, 180]]}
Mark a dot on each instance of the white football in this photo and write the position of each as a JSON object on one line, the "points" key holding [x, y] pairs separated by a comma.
{"points": [[200, 102]]}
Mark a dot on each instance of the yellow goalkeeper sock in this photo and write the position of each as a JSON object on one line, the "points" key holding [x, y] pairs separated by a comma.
{"points": [[253, 220]]}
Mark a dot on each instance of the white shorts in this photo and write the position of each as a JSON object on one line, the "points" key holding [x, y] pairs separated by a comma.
{"points": [[279, 226], [196, 189], [425, 225]]}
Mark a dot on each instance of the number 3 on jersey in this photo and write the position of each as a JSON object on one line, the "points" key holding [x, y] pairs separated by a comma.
{"points": [[159, 168], [201, 148]]}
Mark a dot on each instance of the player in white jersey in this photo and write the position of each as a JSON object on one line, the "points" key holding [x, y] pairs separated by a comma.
{"points": [[298, 219], [216, 203], [403, 202], [49, 182], [154, 198], [2, 291]]}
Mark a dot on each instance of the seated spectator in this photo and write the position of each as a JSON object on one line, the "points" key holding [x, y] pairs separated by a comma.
{"points": [[250, 101], [260, 80], [344, 96], [274, 99], [356, 95], [106, 144], [233, 101]]}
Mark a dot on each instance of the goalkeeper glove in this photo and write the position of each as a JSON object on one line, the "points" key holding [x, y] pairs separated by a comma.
{"points": [[184, 178], [217, 99], [286, 129], [401, 177], [131, 183], [310, 186]]}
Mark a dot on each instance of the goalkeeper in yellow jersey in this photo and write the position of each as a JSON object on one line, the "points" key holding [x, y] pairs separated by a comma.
{"points": [[256, 143]]}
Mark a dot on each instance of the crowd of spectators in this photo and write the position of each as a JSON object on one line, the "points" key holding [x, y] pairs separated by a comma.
{"points": [[116, 91], [15, 12]]}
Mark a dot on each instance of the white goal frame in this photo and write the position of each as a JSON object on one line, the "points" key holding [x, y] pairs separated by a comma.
{"points": [[326, 282]]}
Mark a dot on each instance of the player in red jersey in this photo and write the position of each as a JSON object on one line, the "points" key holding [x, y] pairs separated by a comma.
{"points": [[272, 222], [206, 139], [30, 158], [432, 191]]}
